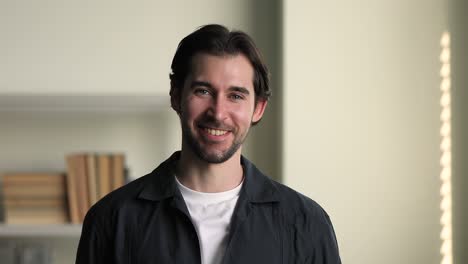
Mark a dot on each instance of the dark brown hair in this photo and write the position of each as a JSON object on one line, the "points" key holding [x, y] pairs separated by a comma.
{"points": [[218, 40]]}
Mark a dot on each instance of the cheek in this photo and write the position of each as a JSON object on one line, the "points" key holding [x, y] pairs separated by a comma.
{"points": [[192, 109], [243, 116]]}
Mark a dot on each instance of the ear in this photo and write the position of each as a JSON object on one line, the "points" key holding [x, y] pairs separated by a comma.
{"points": [[175, 98], [260, 107]]}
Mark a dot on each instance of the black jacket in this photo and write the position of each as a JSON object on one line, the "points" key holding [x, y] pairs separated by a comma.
{"points": [[147, 221]]}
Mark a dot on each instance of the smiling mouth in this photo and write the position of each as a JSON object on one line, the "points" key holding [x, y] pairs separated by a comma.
{"points": [[215, 132]]}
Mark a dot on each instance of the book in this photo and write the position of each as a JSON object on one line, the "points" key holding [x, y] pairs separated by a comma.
{"points": [[36, 215], [104, 174], [118, 171], [81, 185], [32, 191], [72, 193], [34, 254], [91, 167], [18, 202], [34, 198], [90, 177], [32, 185], [33, 178]]}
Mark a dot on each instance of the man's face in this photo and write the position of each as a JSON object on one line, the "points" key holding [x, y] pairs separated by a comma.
{"points": [[217, 106]]}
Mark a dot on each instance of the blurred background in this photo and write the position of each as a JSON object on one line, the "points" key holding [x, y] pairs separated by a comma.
{"points": [[354, 122]]}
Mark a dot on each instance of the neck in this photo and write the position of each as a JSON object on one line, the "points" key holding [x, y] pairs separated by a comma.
{"points": [[202, 176]]}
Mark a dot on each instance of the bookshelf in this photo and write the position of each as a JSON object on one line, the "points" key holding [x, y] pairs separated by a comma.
{"points": [[39, 130], [17, 231], [91, 103]]}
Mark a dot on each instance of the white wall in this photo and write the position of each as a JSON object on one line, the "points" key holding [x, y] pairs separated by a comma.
{"points": [[361, 122], [100, 46]]}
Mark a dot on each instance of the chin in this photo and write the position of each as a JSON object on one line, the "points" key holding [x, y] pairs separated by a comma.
{"points": [[208, 152], [215, 158]]}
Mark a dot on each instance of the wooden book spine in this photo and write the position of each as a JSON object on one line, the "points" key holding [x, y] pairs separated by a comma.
{"points": [[92, 178], [36, 215], [34, 186], [82, 186], [104, 172], [118, 168], [33, 179], [72, 193], [47, 202]]}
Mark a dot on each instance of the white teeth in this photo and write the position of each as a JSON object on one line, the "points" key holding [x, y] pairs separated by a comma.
{"points": [[215, 132]]}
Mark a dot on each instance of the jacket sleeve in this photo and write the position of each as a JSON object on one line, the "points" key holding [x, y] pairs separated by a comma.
{"points": [[315, 241], [326, 246], [94, 246]]}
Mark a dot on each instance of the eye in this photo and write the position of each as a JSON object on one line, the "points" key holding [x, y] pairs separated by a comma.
{"points": [[236, 97], [201, 91]]}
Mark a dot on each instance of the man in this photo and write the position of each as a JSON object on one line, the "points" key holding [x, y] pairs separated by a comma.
{"points": [[207, 203]]}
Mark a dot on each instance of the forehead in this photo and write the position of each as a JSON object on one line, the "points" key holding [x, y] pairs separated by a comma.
{"points": [[222, 69]]}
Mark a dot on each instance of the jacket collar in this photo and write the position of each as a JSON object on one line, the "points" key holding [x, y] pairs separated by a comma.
{"points": [[257, 187]]}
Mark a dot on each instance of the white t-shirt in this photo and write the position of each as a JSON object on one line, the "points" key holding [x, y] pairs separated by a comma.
{"points": [[211, 215]]}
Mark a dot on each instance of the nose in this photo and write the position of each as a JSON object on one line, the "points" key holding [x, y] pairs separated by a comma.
{"points": [[218, 109]]}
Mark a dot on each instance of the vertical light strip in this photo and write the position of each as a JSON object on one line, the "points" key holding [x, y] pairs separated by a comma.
{"points": [[446, 158]]}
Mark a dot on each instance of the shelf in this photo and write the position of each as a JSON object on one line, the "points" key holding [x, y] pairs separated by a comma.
{"points": [[83, 103], [66, 230]]}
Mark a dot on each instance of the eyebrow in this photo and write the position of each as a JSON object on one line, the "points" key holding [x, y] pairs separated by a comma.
{"points": [[239, 89], [232, 88], [200, 83]]}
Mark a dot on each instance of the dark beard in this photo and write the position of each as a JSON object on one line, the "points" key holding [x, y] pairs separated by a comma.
{"points": [[196, 147]]}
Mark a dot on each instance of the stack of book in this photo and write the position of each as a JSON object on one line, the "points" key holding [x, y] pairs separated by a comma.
{"points": [[35, 198], [89, 178], [25, 252]]}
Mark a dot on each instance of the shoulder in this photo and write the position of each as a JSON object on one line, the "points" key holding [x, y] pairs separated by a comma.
{"points": [[299, 208], [294, 206], [129, 191], [137, 193], [120, 198], [308, 225]]}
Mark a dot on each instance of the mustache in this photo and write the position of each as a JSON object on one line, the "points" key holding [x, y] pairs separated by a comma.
{"points": [[211, 122]]}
